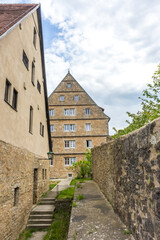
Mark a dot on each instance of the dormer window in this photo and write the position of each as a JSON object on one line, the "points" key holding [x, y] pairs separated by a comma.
{"points": [[61, 98], [69, 85], [76, 97]]}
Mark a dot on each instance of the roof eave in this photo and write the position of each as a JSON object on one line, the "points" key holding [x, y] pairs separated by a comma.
{"points": [[17, 23]]}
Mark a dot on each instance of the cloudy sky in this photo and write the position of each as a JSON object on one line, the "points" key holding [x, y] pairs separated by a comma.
{"points": [[112, 48]]}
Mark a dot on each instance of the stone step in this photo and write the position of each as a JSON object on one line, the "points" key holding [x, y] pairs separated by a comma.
{"points": [[38, 226], [39, 221], [41, 213], [40, 216], [46, 203], [48, 199]]}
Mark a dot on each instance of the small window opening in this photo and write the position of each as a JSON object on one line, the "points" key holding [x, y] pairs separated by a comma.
{"points": [[15, 98], [7, 91], [31, 120], [25, 60], [16, 196]]}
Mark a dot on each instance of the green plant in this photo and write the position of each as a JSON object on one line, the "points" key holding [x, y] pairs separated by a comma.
{"points": [[80, 197], [26, 234], [66, 194], [53, 184], [74, 204], [73, 182], [150, 107], [83, 168], [78, 185], [127, 231]]}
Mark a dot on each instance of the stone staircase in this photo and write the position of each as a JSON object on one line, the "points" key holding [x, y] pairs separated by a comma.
{"points": [[41, 216]]}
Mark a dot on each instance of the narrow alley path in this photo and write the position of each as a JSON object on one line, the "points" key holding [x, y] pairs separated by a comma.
{"points": [[93, 218]]}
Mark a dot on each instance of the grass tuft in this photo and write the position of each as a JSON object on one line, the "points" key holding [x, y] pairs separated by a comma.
{"points": [[66, 194], [81, 180], [80, 197]]}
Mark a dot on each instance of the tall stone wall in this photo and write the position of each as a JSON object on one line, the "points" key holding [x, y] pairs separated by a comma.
{"points": [[17, 171], [127, 171]]}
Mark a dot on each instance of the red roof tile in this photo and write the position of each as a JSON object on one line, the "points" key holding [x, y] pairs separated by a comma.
{"points": [[10, 14]]}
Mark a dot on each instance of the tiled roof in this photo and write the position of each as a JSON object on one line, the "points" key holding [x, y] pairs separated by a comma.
{"points": [[10, 14]]}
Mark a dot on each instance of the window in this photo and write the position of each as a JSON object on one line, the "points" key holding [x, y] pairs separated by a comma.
{"points": [[66, 161], [34, 37], [70, 112], [73, 160], [43, 173], [76, 97], [72, 127], [51, 112], [61, 98], [16, 196], [66, 144], [15, 98], [88, 143], [69, 144], [41, 129], [25, 60], [69, 127], [87, 111], [70, 175], [88, 127], [31, 120], [72, 144], [69, 85], [33, 74], [7, 91], [51, 128], [69, 161], [66, 127], [66, 112], [38, 86]]}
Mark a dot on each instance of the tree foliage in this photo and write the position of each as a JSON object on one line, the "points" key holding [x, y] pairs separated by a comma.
{"points": [[150, 107], [83, 168]]}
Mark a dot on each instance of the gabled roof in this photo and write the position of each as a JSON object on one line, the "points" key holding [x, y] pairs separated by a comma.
{"points": [[76, 88], [11, 14]]}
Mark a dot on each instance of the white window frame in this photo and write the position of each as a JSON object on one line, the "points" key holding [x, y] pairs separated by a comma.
{"points": [[66, 112], [51, 112], [88, 127], [72, 111], [87, 111], [76, 97], [66, 159], [52, 128], [66, 127], [61, 98], [72, 143], [72, 160], [72, 127]]}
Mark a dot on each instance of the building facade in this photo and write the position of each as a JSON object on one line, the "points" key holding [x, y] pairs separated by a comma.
{"points": [[76, 124], [24, 121]]}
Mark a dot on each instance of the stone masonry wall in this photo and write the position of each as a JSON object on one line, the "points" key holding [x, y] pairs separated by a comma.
{"points": [[16, 170], [128, 172]]}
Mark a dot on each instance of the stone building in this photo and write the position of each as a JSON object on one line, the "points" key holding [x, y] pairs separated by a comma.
{"points": [[76, 123], [24, 118]]}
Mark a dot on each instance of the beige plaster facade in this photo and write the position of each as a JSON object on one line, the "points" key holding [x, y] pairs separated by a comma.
{"points": [[75, 120], [24, 119]]}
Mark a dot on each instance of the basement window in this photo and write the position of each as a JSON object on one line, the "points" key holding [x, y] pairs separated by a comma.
{"points": [[16, 196]]}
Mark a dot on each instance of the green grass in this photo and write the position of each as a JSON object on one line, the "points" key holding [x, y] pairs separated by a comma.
{"points": [[66, 194], [26, 234], [80, 197], [127, 232], [59, 228], [81, 180], [53, 184], [74, 204]]}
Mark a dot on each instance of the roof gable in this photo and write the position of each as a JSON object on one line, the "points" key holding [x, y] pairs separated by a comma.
{"points": [[10, 14]]}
